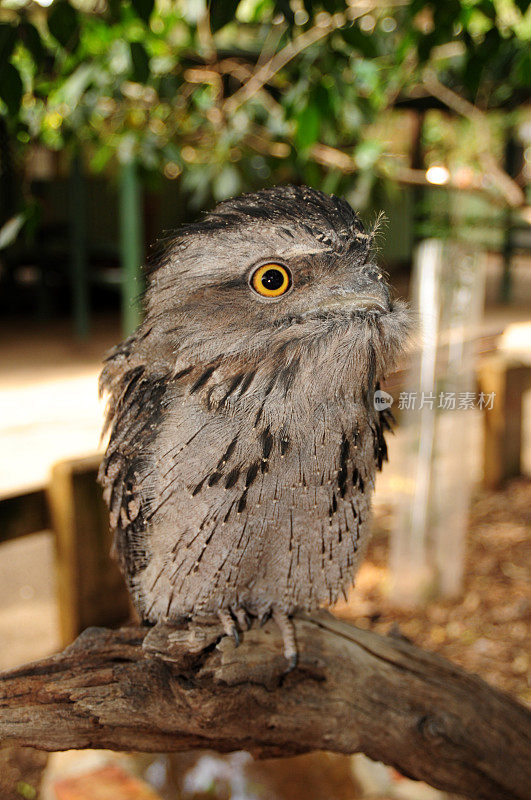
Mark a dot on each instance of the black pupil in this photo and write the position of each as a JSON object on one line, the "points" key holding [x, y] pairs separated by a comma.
{"points": [[272, 279]]}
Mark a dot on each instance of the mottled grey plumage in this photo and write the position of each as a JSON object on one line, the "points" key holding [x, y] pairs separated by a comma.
{"points": [[244, 439]]}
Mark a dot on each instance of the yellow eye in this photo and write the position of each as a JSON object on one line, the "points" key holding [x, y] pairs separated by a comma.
{"points": [[271, 280]]}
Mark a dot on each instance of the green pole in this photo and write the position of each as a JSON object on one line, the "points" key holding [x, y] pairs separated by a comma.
{"points": [[505, 293], [77, 213], [131, 246]]}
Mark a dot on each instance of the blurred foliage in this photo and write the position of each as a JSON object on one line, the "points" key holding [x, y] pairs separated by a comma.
{"points": [[242, 93]]}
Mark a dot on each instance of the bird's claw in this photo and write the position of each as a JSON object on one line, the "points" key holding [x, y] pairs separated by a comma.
{"points": [[229, 626], [292, 661], [287, 630], [244, 620], [285, 624]]}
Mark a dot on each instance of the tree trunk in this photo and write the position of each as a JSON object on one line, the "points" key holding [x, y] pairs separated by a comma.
{"points": [[169, 689]]}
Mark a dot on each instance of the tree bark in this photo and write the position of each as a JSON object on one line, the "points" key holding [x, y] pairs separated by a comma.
{"points": [[169, 689]]}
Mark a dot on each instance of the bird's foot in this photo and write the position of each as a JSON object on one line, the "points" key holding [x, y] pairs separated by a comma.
{"points": [[267, 655], [243, 618], [287, 629], [283, 621], [185, 642], [229, 625]]}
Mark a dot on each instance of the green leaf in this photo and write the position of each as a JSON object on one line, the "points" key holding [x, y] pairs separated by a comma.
{"points": [[221, 13], [11, 88], [101, 158], [63, 24], [75, 85], [308, 126], [197, 183], [227, 183], [366, 75], [522, 70], [406, 45], [367, 154], [311, 174], [143, 8], [140, 61]]}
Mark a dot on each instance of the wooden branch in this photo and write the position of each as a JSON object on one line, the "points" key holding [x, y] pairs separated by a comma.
{"points": [[333, 157], [169, 689], [265, 72], [513, 193]]}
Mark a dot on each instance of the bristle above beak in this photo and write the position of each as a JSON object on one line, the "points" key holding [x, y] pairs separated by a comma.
{"points": [[356, 301]]}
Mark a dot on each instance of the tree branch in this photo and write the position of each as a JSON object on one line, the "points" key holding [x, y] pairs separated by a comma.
{"points": [[508, 187], [168, 689], [297, 45], [332, 157]]}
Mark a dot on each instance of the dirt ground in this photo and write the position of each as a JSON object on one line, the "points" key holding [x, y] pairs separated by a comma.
{"points": [[487, 630]]}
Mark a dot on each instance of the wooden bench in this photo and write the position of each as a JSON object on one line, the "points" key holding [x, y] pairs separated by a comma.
{"points": [[509, 378], [90, 587]]}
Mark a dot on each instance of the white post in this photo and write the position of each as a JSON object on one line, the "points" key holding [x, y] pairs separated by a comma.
{"points": [[434, 460]]}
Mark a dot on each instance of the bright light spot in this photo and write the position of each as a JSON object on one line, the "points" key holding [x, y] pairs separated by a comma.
{"points": [[524, 131], [301, 17], [322, 19], [464, 177], [367, 23], [44, 3], [437, 175], [188, 153], [172, 170], [54, 120], [516, 339], [279, 149], [388, 24], [157, 25]]}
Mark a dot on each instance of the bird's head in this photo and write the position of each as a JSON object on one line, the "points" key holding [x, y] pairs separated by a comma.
{"points": [[280, 276]]}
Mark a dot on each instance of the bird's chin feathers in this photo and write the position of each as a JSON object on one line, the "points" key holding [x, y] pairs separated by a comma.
{"points": [[334, 355]]}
